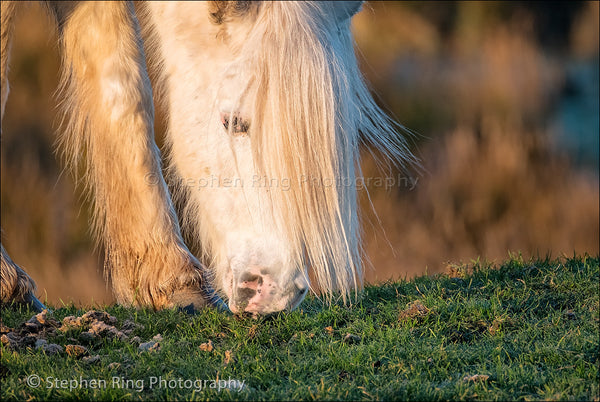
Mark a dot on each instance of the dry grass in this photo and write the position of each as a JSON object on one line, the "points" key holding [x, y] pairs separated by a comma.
{"points": [[495, 182], [481, 91]]}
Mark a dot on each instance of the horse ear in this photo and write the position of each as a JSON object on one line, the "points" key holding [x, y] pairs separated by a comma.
{"points": [[221, 10], [343, 10]]}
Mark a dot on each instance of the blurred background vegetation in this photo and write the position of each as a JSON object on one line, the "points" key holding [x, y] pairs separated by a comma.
{"points": [[503, 97]]}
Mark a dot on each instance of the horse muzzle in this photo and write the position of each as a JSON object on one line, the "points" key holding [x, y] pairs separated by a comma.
{"points": [[259, 292]]}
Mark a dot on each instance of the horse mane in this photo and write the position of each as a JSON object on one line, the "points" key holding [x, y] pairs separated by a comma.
{"points": [[310, 105]]}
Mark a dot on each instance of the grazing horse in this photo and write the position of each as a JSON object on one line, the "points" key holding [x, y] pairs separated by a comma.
{"points": [[266, 111]]}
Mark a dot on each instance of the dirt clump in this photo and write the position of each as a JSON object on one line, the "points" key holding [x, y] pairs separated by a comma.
{"points": [[413, 310], [95, 326], [76, 351]]}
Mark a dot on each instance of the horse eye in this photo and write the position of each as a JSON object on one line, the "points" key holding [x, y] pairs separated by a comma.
{"points": [[239, 126]]}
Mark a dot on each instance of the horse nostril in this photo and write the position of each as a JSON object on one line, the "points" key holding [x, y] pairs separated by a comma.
{"points": [[245, 294], [250, 280], [239, 126]]}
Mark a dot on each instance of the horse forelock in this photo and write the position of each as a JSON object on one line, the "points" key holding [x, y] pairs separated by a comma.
{"points": [[310, 103]]}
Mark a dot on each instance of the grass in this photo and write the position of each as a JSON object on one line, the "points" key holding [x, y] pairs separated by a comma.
{"points": [[528, 329]]}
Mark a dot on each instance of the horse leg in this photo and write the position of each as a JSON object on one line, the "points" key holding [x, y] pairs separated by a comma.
{"points": [[108, 103], [15, 284]]}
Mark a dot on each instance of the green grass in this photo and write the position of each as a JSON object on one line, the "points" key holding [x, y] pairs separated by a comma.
{"points": [[531, 326]]}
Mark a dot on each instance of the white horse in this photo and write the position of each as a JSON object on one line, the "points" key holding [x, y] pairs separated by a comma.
{"points": [[266, 111]]}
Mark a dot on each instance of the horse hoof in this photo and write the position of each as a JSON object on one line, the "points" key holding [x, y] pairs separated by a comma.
{"points": [[33, 301], [193, 301]]}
